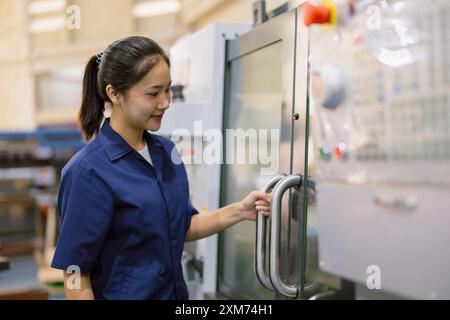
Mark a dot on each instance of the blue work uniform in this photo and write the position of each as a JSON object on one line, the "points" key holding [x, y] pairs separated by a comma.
{"points": [[123, 220]]}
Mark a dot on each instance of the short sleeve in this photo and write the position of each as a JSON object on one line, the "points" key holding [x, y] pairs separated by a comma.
{"points": [[86, 208], [191, 209], [191, 212]]}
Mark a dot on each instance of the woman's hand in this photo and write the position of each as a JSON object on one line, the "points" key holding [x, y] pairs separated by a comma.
{"points": [[84, 290], [256, 201]]}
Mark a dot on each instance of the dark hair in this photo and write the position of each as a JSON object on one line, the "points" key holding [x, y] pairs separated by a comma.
{"points": [[124, 63]]}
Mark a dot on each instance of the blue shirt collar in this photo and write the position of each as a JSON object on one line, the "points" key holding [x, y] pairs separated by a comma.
{"points": [[116, 146]]}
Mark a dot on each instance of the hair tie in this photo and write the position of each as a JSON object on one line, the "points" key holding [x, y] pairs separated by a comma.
{"points": [[99, 57]]}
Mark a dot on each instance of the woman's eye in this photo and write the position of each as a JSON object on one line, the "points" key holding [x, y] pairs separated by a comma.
{"points": [[153, 94]]}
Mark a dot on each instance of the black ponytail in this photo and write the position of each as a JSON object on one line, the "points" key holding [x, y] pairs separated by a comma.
{"points": [[123, 64], [92, 103]]}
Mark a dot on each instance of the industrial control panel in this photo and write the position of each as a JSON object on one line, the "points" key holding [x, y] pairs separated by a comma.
{"points": [[380, 112]]}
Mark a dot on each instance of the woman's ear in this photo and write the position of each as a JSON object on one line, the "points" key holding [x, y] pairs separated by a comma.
{"points": [[113, 95]]}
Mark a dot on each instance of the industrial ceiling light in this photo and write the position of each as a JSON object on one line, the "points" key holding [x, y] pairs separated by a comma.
{"points": [[155, 8], [47, 24], [46, 6]]}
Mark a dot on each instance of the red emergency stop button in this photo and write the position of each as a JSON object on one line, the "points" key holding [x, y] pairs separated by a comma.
{"points": [[341, 151], [316, 14]]}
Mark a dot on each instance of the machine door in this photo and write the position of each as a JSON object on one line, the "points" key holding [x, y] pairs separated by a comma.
{"points": [[258, 138], [313, 282]]}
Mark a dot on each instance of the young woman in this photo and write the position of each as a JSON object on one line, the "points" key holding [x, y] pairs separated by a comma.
{"points": [[124, 204]]}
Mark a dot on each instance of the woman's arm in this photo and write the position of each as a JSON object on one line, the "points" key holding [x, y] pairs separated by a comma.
{"points": [[204, 225], [84, 292]]}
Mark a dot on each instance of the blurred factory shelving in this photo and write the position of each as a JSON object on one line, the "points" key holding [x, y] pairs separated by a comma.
{"points": [[30, 165]]}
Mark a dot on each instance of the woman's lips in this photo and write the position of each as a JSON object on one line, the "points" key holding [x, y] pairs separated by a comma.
{"points": [[157, 117]]}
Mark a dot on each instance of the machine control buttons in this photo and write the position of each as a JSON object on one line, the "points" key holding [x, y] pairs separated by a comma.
{"points": [[325, 153], [316, 14], [330, 86], [341, 151]]}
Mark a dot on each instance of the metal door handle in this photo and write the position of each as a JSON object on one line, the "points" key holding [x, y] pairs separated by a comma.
{"points": [[260, 247], [275, 211]]}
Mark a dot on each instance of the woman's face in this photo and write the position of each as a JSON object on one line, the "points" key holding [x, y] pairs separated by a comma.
{"points": [[145, 102]]}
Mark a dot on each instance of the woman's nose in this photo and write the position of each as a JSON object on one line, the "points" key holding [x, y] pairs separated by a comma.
{"points": [[165, 103]]}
